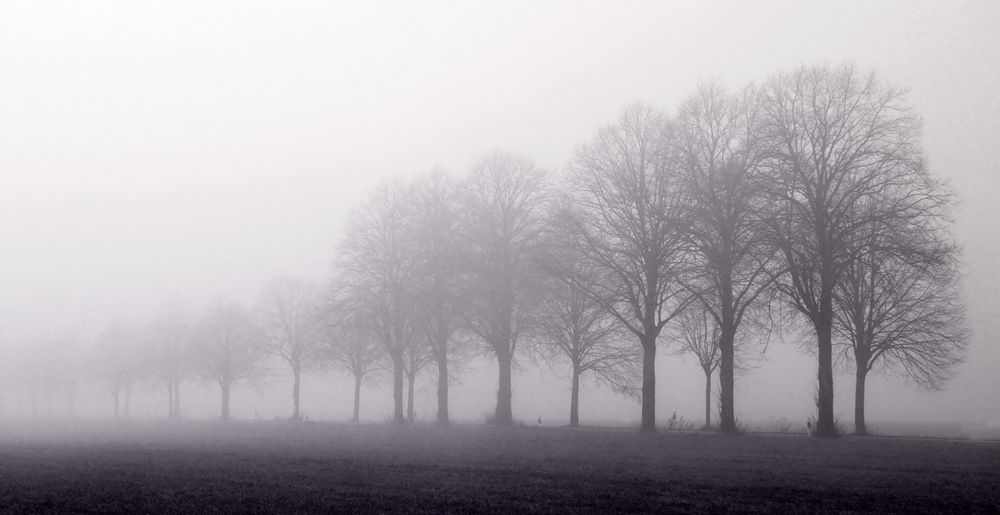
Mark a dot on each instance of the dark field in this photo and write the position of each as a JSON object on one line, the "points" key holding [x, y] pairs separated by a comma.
{"points": [[311, 467]]}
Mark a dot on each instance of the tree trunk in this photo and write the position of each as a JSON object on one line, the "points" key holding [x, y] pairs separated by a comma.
{"points": [[574, 398], [859, 400], [411, 377], [708, 398], [442, 414], [128, 398], [825, 425], [504, 413], [177, 398], [225, 402], [648, 383], [357, 398], [170, 399], [397, 388], [297, 382]]}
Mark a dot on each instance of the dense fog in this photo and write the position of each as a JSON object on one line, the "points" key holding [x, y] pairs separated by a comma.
{"points": [[169, 158]]}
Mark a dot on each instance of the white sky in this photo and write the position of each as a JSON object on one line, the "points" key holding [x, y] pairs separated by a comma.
{"points": [[155, 152]]}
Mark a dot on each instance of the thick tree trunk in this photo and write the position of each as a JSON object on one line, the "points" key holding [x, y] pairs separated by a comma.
{"points": [[708, 398], [225, 402], [574, 398], [296, 385], [357, 398], [397, 388], [727, 380], [859, 401], [411, 378], [825, 425], [648, 383], [442, 387], [504, 413]]}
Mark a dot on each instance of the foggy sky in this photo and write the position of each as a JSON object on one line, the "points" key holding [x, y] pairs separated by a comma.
{"points": [[182, 152]]}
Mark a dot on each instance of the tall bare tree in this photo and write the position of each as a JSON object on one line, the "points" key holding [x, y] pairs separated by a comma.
{"points": [[377, 261], [631, 216], [721, 155], [837, 138], [291, 324], [440, 280], [230, 348], [900, 308], [506, 202]]}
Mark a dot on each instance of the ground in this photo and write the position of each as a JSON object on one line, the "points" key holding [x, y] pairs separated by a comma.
{"points": [[159, 467]]}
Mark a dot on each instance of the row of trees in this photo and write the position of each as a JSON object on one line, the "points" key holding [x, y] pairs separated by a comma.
{"points": [[801, 203]]}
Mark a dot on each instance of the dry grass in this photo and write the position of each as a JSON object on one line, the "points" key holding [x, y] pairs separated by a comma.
{"points": [[312, 467]]}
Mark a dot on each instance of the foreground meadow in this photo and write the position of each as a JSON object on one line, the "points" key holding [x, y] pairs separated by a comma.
{"points": [[156, 467]]}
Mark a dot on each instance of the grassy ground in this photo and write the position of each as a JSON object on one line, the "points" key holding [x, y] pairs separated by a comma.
{"points": [[309, 467]]}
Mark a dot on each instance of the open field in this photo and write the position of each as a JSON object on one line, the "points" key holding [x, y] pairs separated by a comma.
{"points": [[309, 467]]}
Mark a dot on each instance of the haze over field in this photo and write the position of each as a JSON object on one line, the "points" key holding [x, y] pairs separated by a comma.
{"points": [[182, 153]]}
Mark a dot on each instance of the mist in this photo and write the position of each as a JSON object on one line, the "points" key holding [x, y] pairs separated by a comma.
{"points": [[177, 157]]}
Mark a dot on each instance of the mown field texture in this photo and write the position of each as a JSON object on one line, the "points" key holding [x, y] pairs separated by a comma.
{"points": [[311, 467]]}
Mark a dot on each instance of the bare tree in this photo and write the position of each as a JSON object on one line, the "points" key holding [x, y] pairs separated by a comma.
{"points": [[230, 348], [290, 322], [721, 154], [416, 357], [506, 200], [573, 326], [377, 263], [169, 357], [352, 345], [115, 361], [901, 309], [440, 280], [698, 333], [630, 214], [837, 138]]}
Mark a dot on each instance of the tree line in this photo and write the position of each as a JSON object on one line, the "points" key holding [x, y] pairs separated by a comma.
{"points": [[801, 203]]}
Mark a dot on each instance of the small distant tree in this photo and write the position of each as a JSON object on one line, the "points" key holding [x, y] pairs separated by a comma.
{"points": [[899, 307], [698, 333], [230, 348], [169, 356], [416, 357], [116, 362], [290, 323], [351, 345], [572, 326]]}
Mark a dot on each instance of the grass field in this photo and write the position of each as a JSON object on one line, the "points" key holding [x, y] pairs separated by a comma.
{"points": [[313, 467]]}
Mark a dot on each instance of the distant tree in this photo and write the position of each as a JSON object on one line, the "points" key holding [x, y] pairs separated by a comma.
{"points": [[837, 139], [631, 217], [440, 280], [230, 348], [900, 307], [572, 326], [377, 261], [721, 154], [698, 333], [290, 323], [416, 357], [505, 207], [169, 355], [116, 362], [352, 346]]}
